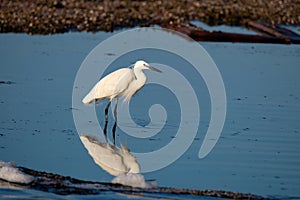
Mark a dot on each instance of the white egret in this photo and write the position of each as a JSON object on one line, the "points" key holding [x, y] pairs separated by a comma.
{"points": [[123, 82]]}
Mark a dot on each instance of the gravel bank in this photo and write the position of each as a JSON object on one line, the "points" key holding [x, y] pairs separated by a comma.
{"points": [[54, 16]]}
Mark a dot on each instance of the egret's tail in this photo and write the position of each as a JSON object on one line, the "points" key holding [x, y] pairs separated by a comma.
{"points": [[89, 98]]}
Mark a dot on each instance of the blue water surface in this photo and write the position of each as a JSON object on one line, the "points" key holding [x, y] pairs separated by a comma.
{"points": [[259, 149]]}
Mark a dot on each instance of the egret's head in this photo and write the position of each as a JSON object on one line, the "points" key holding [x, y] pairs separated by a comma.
{"points": [[143, 65]]}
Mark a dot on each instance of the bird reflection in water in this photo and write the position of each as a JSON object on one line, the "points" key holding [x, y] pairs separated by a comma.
{"points": [[111, 158], [117, 161]]}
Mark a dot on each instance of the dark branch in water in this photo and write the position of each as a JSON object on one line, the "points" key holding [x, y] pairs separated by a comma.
{"points": [[268, 34]]}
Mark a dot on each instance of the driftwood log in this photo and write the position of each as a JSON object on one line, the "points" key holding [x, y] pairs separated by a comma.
{"points": [[266, 34]]}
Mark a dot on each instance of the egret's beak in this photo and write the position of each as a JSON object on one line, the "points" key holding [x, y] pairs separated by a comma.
{"points": [[154, 69]]}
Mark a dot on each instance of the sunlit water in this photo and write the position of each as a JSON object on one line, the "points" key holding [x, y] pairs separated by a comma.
{"points": [[258, 152]]}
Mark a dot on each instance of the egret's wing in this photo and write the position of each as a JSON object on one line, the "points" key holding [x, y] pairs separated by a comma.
{"points": [[109, 86], [124, 82], [91, 96]]}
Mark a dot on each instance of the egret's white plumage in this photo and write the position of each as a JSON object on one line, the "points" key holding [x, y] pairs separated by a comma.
{"points": [[124, 82]]}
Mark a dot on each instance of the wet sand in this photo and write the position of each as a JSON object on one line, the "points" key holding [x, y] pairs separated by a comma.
{"points": [[49, 17]]}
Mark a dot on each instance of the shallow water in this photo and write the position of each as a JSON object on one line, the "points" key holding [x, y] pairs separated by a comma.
{"points": [[258, 151]]}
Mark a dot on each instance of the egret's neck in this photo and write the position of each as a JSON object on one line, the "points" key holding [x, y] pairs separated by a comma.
{"points": [[136, 84], [140, 76]]}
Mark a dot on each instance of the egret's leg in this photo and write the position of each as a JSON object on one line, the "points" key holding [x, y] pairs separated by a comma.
{"points": [[115, 124], [106, 120]]}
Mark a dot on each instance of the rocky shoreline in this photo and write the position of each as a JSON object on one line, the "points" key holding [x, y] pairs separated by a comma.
{"points": [[25, 178], [58, 16]]}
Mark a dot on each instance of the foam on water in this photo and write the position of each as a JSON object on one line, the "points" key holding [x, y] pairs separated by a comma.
{"points": [[134, 180], [9, 172]]}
